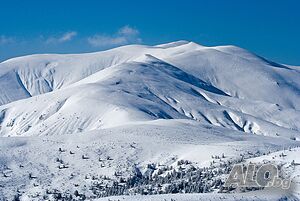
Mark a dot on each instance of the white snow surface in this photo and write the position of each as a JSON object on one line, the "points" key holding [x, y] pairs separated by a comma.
{"points": [[179, 100], [257, 196], [223, 86]]}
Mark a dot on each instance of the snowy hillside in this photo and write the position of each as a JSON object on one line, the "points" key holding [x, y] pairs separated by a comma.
{"points": [[35, 166], [68, 118], [223, 86], [228, 68]]}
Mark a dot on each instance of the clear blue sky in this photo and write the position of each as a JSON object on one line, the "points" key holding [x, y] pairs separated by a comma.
{"points": [[270, 28]]}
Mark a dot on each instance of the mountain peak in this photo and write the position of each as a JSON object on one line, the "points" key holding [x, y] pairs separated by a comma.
{"points": [[173, 44]]}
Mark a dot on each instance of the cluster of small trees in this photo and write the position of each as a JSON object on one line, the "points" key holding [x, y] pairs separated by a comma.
{"points": [[184, 178], [166, 180]]}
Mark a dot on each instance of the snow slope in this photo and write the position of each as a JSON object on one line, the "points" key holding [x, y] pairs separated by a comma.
{"points": [[223, 86], [139, 105], [229, 68], [129, 147], [202, 197]]}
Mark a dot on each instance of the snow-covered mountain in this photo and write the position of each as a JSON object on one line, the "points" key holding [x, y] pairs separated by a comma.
{"points": [[224, 86], [138, 105]]}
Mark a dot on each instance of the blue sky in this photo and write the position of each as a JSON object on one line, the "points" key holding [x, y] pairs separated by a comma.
{"points": [[270, 28]]}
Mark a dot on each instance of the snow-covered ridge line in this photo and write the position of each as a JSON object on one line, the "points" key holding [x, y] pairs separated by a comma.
{"points": [[224, 86], [44, 66]]}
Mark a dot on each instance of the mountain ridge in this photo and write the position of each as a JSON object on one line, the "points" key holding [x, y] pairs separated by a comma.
{"points": [[180, 80]]}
